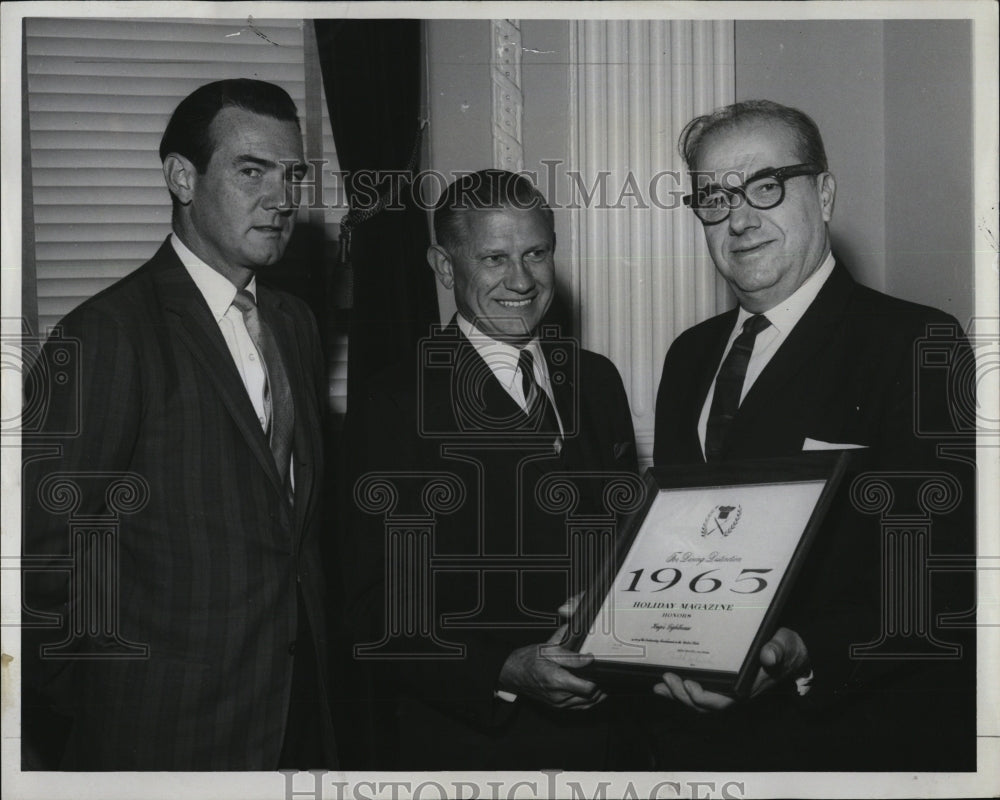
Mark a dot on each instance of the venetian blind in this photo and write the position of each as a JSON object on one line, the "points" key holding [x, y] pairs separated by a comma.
{"points": [[100, 92]]}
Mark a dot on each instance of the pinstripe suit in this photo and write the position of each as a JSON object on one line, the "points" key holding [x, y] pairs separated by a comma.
{"points": [[208, 567]]}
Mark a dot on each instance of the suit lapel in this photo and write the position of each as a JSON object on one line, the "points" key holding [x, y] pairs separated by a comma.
{"points": [[821, 320], [569, 403], [473, 397], [704, 374], [564, 392], [477, 403], [308, 430], [199, 332], [710, 365]]}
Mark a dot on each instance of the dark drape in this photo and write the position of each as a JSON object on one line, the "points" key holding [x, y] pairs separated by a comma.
{"points": [[371, 73]]}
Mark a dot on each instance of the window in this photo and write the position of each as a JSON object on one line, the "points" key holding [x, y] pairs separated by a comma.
{"points": [[100, 92]]}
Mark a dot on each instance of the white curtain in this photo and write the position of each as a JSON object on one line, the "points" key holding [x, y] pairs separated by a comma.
{"points": [[641, 271]]}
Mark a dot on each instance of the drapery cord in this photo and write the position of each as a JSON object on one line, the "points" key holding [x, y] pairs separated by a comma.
{"points": [[356, 216]]}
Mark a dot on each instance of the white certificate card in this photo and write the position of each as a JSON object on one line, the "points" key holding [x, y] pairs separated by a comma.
{"points": [[694, 588]]}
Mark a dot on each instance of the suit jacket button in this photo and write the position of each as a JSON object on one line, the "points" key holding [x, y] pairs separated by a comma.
{"points": [[291, 648]]}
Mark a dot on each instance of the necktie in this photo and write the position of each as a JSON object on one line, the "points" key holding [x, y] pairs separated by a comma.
{"points": [[537, 403], [277, 391], [729, 386]]}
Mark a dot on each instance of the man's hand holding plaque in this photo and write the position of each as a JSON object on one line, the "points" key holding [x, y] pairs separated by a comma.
{"points": [[784, 657], [542, 672], [692, 601]]}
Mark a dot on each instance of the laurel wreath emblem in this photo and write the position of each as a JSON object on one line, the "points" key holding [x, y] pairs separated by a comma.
{"points": [[728, 529]]}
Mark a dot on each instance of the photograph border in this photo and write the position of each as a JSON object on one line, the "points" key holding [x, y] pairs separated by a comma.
{"points": [[549, 783]]}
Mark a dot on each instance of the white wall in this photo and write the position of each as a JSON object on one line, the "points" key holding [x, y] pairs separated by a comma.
{"points": [[459, 103], [545, 78], [893, 100], [834, 72], [928, 162]]}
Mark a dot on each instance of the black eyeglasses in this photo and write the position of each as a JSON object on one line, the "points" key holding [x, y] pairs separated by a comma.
{"points": [[762, 190]]}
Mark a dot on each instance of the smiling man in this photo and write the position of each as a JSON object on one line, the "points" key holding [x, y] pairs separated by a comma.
{"points": [[202, 390], [495, 406], [812, 360]]}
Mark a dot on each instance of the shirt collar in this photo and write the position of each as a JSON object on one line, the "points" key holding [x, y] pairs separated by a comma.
{"points": [[789, 311], [217, 290], [501, 357]]}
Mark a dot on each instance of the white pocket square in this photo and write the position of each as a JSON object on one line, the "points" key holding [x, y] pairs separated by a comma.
{"points": [[816, 444]]}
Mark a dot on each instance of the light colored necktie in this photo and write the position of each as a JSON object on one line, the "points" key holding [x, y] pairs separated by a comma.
{"points": [[278, 403]]}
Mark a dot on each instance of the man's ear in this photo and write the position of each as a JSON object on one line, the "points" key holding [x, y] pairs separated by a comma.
{"points": [[180, 175], [827, 194], [440, 262]]}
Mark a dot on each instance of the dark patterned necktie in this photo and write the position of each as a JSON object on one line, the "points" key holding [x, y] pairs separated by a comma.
{"points": [[278, 403], [536, 400], [729, 386]]}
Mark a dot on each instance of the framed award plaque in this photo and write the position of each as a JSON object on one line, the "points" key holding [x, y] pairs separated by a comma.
{"points": [[702, 570]]}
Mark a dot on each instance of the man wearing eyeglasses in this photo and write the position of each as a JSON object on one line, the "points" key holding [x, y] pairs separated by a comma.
{"points": [[809, 360]]}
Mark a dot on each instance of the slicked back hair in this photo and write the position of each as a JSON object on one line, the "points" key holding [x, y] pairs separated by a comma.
{"points": [[189, 131], [484, 190], [802, 126]]}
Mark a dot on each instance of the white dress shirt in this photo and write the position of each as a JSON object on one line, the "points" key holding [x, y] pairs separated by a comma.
{"points": [[502, 359], [783, 318], [219, 293]]}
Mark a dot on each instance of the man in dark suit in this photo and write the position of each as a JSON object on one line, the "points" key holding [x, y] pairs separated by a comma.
{"points": [[812, 360], [485, 443], [197, 413]]}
